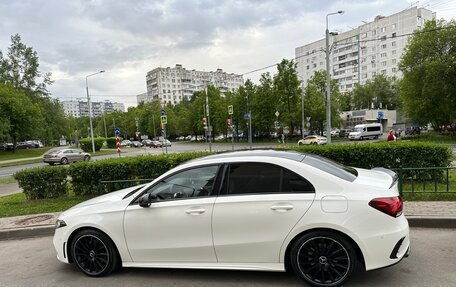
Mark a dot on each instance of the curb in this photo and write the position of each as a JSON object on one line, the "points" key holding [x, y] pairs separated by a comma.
{"points": [[27, 232], [432, 222]]}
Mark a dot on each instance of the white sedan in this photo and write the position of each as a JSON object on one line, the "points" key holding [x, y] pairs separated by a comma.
{"points": [[250, 210], [313, 140]]}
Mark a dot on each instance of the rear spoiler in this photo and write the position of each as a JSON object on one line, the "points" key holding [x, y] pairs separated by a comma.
{"points": [[389, 172]]}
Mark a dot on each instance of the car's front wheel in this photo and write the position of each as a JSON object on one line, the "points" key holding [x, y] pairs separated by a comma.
{"points": [[323, 258], [94, 253], [64, 161]]}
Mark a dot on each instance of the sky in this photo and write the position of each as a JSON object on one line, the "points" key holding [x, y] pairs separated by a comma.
{"points": [[127, 39]]}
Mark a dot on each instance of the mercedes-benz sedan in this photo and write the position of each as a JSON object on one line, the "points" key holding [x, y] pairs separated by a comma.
{"points": [[250, 210]]}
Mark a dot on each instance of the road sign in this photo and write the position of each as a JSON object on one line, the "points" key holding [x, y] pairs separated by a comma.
{"points": [[117, 131], [380, 115], [163, 112], [246, 116], [277, 113], [230, 110], [308, 119], [164, 120]]}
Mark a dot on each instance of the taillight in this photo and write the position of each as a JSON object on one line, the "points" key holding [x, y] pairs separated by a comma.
{"points": [[389, 205]]}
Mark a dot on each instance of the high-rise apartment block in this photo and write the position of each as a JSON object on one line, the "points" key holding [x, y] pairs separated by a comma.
{"points": [[80, 108], [362, 53], [172, 85]]}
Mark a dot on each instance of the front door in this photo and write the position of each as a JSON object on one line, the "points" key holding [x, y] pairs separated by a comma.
{"points": [[177, 227]]}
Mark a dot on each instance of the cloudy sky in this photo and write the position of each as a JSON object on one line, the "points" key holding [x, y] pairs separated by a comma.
{"points": [[129, 38]]}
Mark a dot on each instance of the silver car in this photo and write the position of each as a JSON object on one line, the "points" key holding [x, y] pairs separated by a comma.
{"points": [[65, 156]]}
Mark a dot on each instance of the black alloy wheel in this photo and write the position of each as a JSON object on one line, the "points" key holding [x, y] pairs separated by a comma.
{"points": [[94, 253], [323, 258], [64, 161]]}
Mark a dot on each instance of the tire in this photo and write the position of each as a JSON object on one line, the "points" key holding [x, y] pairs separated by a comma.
{"points": [[323, 258], [300, 143], [86, 158], [64, 161], [51, 163], [94, 253], [361, 138]]}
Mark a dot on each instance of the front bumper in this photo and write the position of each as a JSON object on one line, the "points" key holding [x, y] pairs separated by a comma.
{"points": [[60, 244]]}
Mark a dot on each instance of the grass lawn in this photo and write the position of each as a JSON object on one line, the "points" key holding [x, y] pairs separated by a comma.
{"points": [[7, 180], [429, 190], [23, 153], [16, 204]]}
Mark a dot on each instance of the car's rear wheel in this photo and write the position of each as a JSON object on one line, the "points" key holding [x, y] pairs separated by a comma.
{"points": [[94, 253], [300, 143], [323, 258], [86, 158], [64, 161]]}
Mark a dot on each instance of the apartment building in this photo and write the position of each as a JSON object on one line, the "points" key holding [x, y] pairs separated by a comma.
{"points": [[80, 108], [172, 85], [362, 53]]}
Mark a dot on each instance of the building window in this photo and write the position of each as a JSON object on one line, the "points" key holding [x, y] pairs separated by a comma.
{"points": [[393, 61], [383, 72], [364, 35], [364, 68], [393, 35], [393, 26], [374, 32], [364, 76], [383, 55], [383, 29], [393, 44], [374, 74], [394, 70], [384, 46], [373, 65], [384, 63], [393, 52], [373, 49]]}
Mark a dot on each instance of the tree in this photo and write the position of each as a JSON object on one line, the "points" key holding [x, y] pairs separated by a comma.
{"points": [[17, 113], [20, 68], [428, 86], [380, 92], [264, 105], [287, 88], [314, 100]]}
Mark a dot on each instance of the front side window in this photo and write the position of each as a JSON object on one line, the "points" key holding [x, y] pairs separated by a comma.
{"points": [[263, 178], [196, 182]]}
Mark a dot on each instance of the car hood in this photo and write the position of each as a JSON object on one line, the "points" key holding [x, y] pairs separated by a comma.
{"points": [[375, 177], [109, 197]]}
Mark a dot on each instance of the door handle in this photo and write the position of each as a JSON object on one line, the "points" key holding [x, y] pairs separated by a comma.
{"points": [[195, 211], [282, 208]]}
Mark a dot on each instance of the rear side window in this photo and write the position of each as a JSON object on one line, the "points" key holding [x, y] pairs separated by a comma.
{"points": [[263, 178]]}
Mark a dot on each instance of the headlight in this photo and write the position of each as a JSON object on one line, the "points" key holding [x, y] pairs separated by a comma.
{"points": [[60, 223]]}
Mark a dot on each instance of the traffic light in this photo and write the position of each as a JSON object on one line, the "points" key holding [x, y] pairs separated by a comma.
{"points": [[205, 123]]}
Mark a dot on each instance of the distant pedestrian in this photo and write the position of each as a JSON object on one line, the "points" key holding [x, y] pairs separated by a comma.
{"points": [[283, 138], [391, 137]]}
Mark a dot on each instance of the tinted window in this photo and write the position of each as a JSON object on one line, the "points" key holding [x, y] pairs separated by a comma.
{"points": [[253, 178], [194, 182], [331, 167], [373, 129], [261, 178], [291, 182]]}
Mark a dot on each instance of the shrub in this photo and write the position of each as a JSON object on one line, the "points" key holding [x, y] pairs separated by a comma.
{"points": [[86, 144], [85, 176], [112, 142], [43, 182]]}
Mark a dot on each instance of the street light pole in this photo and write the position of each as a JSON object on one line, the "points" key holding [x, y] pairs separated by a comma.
{"points": [[90, 108], [328, 82]]}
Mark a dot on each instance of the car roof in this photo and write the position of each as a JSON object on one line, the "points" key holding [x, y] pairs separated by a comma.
{"points": [[291, 155]]}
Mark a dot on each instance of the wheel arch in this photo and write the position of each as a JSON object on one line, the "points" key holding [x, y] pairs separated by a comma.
{"points": [[359, 254], [76, 231]]}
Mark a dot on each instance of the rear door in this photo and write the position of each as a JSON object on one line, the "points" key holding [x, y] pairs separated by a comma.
{"points": [[259, 205]]}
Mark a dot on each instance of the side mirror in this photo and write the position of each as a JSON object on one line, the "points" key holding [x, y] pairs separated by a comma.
{"points": [[146, 199]]}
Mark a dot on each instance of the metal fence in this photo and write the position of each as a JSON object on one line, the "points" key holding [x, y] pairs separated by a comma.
{"points": [[426, 180]]}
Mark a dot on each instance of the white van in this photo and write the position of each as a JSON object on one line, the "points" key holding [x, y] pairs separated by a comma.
{"points": [[364, 131]]}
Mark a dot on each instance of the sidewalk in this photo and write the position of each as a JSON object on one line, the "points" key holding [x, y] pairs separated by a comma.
{"points": [[429, 214]]}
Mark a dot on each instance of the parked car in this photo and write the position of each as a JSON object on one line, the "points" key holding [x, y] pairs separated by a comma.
{"points": [[146, 142], [126, 143], [136, 144], [6, 146], [165, 142], [274, 209], [65, 156], [313, 140], [365, 131], [25, 145], [155, 144]]}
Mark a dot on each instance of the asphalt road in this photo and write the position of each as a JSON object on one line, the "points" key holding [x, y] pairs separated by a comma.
{"points": [[32, 262]]}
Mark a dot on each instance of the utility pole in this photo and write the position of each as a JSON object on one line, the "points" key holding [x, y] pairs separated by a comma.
{"points": [[209, 127]]}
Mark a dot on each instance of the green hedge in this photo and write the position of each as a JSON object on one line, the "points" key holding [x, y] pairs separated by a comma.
{"points": [[111, 142], [43, 182], [383, 154], [86, 144], [86, 175]]}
